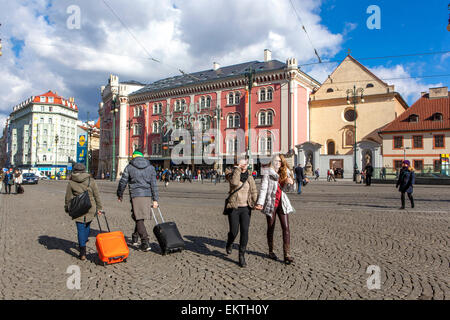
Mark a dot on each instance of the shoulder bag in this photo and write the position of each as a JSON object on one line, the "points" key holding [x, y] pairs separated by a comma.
{"points": [[81, 204], [227, 200]]}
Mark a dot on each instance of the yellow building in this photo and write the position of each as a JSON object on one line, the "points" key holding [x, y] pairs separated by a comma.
{"points": [[332, 116]]}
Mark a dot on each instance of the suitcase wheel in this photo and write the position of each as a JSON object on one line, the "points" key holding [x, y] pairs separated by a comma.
{"points": [[125, 260]]}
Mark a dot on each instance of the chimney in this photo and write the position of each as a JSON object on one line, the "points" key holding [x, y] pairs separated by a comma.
{"points": [[216, 66], [436, 93], [267, 55]]}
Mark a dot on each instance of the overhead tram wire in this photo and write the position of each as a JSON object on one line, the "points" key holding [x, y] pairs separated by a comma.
{"points": [[142, 46], [304, 29]]}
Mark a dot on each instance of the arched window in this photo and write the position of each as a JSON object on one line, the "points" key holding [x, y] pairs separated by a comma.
{"points": [[266, 143], [269, 94], [230, 98], [262, 118], [183, 104], [202, 103], [262, 95], [269, 118], [349, 137], [437, 117], [369, 85], [237, 98], [177, 106], [230, 121], [330, 90], [237, 121], [208, 102], [232, 145], [331, 147], [156, 127]]}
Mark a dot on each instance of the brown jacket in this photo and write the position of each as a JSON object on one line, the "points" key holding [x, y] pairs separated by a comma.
{"points": [[78, 185], [234, 178]]}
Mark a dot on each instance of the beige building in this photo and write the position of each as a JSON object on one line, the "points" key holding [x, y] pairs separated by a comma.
{"points": [[332, 117], [420, 135]]}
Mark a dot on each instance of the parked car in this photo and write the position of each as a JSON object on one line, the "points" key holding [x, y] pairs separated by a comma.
{"points": [[30, 178]]}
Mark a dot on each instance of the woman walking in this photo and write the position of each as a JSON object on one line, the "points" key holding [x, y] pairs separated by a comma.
{"points": [[18, 180], [79, 183], [274, 202], [241, 200], [405, 183]]}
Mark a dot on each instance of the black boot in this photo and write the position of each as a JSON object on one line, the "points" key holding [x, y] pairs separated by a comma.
{"points": [[242, 262], [412, 201], [145, 246], [229, 246], [82, 253]]}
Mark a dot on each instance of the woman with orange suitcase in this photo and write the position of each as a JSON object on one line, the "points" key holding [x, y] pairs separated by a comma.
{"points": [[79, 183]]}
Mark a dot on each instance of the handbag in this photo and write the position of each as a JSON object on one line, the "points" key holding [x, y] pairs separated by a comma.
{"points": [[81, 204], [227, 200]]}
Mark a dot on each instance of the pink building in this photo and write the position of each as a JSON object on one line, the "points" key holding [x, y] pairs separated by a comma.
{"points": [[217, 100]]}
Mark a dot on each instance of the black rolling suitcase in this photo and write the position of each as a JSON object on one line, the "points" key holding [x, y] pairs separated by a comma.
{"points": [[169, 238]]}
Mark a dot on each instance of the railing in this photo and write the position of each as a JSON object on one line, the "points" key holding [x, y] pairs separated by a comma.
{"points": [[428, 171]]}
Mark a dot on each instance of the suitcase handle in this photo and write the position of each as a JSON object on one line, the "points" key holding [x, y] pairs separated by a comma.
{"points": [[98, 220], [154, 217]]}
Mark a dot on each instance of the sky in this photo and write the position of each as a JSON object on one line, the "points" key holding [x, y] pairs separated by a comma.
{"points": [[47, 45]]}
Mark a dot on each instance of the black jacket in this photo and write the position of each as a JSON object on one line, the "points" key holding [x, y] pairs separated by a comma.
{"points": [[299, 174], [406, 180], [369, 170], [140, 175]]}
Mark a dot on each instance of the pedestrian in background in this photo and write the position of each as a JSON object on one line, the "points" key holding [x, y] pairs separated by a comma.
{"points": [[2, 177], [241, 200], [79, 182], [140, 175], [368, 172], [9, 181], [18, 180], [273, 201], [405, 182], [299, 176], [316, 172], [332, 175]]}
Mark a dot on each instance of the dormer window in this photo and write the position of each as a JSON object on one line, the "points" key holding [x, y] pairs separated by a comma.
{"points": [[43, 99], [369, 85], [413, 118], [437, 117]]}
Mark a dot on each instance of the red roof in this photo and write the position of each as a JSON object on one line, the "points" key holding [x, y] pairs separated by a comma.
{"points": [[97, 125], [425, 108], [56, 100]]}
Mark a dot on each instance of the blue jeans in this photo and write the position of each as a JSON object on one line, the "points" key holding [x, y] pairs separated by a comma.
{"points": [[299, 186], [83, 233]]}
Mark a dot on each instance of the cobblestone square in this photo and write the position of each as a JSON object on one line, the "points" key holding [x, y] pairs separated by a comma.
{"points": [[337, 232]]}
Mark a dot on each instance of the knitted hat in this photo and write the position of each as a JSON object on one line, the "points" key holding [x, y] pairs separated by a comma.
{"points": [[407, 162], [79, 167], [137, 154]]}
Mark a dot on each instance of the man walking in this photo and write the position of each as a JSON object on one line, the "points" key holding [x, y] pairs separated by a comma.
{"points": [[140, 175], [299, 176], [368, 173], [317, 174]]}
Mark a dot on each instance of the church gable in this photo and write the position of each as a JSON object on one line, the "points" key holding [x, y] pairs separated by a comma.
{"points": [[349, 73]]}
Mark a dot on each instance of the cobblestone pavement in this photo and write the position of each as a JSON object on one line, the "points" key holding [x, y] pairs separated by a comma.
{"points": [[339, 229]]}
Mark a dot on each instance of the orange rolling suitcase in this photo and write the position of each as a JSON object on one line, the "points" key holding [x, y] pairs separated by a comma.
{"points": [[111, 246]]}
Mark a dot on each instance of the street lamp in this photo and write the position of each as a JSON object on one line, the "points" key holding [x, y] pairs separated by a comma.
{"points": [[218, 116], [250, 74], [56, 159], [352, 97], [404, 152], [129, 139], [114, 110]]}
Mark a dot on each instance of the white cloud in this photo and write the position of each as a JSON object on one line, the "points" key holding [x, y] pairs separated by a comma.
{"points": [[400, 77]]}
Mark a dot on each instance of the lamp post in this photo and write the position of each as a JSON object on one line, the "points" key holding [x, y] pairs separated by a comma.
{"points": [[114, 110], [129, 138], [218, 116], [88, 140], [404, 152], [56, 159], [352, 97], [250, 74]]}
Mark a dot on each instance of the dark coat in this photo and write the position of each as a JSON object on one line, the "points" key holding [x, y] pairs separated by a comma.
{"points": [[406, 180], [299, 174], [77, 185], [140, 175], [369, 170]]}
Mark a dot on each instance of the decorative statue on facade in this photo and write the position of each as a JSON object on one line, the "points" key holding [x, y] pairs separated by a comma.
{"points": [[308, 166]]}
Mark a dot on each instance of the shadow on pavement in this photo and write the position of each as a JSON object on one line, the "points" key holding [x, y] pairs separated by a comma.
{"points": [[198, 245], [53, 243]]}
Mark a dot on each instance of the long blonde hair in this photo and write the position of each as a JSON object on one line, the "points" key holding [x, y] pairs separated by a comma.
{"points": [[283, 172]]}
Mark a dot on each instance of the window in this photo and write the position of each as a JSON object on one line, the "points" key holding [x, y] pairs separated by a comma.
{"points": [[369, 85], [42, 120], [350, 137], [437, 165], [44, 158], [43, 99], [157, 108], [177, 106], [269, 118], [350, 115], [439, 141], [50, 120], [45, 132], [208, 102], [262, 95], [156, 148], [234, 121], [237, 121], [262, 119], [156, 127], [230, 98], [137, 129], [232, 146], [237, 98], [398, 164], [437, 117], [265, 118], [42, 108], [398, 142], [418, 165], [202, 103], [265, 145], [413, 118], [50, 100], [330, 90], [417, 142], [331, 147], [269, 94]]}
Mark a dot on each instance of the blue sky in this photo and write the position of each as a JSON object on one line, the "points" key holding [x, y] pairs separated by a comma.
{"points": [[40, 53]]}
